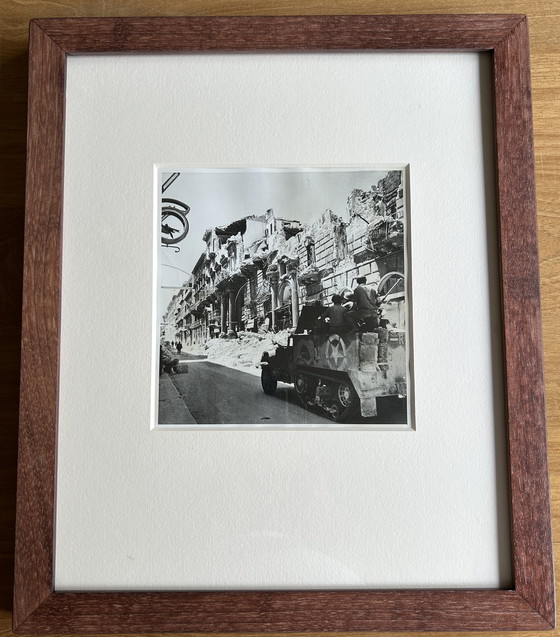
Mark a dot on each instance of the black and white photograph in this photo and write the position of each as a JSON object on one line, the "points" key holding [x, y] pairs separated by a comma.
{"points": [[283, 297]]}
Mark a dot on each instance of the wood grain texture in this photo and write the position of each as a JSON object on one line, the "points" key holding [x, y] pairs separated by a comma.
{"points": [[284, 612], [525, 405], [40, 338], [139, 35], [544, 20]]}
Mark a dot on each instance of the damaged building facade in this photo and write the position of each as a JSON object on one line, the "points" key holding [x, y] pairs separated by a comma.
{"points": [[257, 272]]}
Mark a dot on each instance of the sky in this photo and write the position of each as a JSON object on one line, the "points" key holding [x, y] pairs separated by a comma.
{"points": [[218, 197]]}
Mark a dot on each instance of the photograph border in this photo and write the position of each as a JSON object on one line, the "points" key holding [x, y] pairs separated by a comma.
{"points": [[346, 425], [529, 604]]}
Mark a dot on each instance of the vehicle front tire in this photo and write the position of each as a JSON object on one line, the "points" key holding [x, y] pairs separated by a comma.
{"points": [[268, 381]]}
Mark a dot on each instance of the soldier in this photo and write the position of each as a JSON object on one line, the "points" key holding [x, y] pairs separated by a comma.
{"points": [[366, 310], [335, 317]]}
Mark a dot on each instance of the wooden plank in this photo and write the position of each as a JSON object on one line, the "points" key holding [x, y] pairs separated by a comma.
{"points": [[284, 612], [136, 35], [40, 329], [525, 407]]}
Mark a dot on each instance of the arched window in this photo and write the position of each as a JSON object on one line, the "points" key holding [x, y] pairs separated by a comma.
{"points": [[285, 294], [232, 254], [310, 250], [391, 287], [391, 292]]}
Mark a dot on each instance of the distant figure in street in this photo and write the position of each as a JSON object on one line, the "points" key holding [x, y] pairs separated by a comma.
{"points": [[366, 306], [167, 362], [335, 317], [179, 347]]}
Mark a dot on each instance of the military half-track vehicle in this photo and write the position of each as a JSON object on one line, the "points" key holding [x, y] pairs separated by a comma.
{"points": [[342, 375]]}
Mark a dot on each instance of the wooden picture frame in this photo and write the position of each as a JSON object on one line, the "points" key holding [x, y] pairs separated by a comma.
{"points": [[529, 604]]}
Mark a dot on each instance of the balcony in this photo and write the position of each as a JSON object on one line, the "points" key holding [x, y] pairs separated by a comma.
{"points": [[310, 275]]}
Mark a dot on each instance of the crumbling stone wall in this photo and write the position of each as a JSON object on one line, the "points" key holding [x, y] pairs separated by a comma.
{"points": [[367, 210], [391, 187], [322, 246], [327, 236], [329, 253]]}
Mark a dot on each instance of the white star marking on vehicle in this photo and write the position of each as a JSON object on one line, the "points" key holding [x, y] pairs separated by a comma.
{"points": [[336, 352]]}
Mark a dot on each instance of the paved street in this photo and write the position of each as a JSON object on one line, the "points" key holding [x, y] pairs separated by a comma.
{"points": [[214, 394], [220, 395]]}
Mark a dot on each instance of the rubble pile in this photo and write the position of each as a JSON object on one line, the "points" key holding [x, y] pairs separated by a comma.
{"points": [[243, 352]]}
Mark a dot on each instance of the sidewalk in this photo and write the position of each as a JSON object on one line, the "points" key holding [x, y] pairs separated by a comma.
{"points": [[172, 409]]}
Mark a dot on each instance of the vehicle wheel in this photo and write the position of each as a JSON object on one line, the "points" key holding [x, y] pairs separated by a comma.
{"points": [[268, 381], [346, 403], [302, 388], [336, 413]]}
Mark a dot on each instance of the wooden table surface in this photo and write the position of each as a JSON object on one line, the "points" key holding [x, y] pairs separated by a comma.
{"points": [[544, 23]]}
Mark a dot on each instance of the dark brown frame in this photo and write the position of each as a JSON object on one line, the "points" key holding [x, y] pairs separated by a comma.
{"points": [[529, 605]]}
